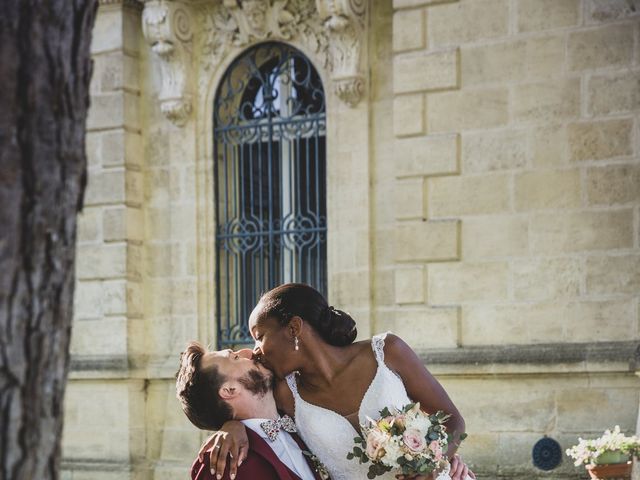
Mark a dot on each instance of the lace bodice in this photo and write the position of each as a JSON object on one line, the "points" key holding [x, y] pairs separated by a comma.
{"points": [[330, 436]]}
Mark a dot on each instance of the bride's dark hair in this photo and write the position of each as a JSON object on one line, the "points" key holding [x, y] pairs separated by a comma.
{"points": [[298, 299]]}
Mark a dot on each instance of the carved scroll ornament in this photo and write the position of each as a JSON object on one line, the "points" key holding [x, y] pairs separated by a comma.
{"points": [[168, 29]]}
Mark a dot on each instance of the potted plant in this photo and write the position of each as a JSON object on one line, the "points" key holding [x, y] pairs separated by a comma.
{"points": [[607, 457]]}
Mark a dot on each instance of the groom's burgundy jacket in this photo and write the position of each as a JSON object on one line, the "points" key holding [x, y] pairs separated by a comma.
{"points": [[261, 463]]}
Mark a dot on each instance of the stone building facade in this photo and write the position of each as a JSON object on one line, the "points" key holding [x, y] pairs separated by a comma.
{"points": [[483, 202]]}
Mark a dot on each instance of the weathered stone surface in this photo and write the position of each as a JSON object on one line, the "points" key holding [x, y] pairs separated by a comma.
{"points": [[556, 189], [601, 47], [576, 409], [520, 60], [89, 225], [544, 279], [544, 14], [549, 145], [456, 111], [123, 223], [600, 140], [409, 115], [494, 236], [424, 71], [410, 199], [546, 102], [549, 322], [426, 241], [461, 283], [97, 262], [614, 93], [486, 151], [410, 285], [428, 327], [613, 274], [467, 195], [429, 155], [467, 21], [581, 231], [602, 11], [614, 184], [409, 30]]}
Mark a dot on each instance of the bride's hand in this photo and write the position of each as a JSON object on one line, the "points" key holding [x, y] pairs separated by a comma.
{"points": [[459, 469], [231, 440]]}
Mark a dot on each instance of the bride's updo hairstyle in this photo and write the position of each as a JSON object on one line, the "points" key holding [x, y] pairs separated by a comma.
{"points": [[298, 299]]}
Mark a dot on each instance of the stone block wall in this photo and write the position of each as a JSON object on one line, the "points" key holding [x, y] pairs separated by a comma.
{"points": [[484, 204], [513, 241], [104, 428]]}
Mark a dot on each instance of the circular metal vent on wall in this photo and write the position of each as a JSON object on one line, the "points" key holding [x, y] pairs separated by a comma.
{"points": [[547, 454]]}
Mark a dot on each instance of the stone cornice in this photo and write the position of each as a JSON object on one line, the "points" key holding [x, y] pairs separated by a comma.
{"points": [[544, 359], [541, 358]]}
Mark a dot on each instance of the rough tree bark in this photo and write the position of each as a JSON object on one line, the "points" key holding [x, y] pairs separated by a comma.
{"points": [[45, 68]]}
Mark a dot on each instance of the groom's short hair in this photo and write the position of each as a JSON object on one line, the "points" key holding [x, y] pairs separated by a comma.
{"points": [[197, 389]]}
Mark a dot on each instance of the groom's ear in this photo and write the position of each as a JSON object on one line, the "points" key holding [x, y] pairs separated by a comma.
{"points": [[228, 390]]}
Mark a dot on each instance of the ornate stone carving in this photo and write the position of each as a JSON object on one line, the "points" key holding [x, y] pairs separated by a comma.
{"points": [[167, 26], [333, 29], [345, 22]]}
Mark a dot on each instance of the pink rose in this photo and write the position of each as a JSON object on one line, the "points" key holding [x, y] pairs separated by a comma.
{"points": [[436, 449], [375, 444], [414, 440]]}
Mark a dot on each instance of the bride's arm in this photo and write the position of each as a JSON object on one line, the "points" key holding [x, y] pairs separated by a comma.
{"points": [[230, 440], [422, 387]]}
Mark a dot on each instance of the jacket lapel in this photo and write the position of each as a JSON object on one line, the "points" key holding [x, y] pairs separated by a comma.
{"points": [[259, 446], [303, 447]]}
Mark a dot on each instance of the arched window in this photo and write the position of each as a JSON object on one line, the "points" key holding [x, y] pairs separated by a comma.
{"points": [[270, 182]]}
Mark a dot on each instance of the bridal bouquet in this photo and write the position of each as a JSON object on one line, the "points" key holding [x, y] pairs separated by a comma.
{"points": [[409, 441]]}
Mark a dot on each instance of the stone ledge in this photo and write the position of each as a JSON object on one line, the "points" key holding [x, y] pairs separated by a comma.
{"points": [[541, 358], [95, 465], [501, 472], [99, 366], [554, 358]]}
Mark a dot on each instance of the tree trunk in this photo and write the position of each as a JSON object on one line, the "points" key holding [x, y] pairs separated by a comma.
{"points": [[45, 68]]}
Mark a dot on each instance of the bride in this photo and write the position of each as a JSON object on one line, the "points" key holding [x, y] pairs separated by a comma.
{"points": [[332, 385]]}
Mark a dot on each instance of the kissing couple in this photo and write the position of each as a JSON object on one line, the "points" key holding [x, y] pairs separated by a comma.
{"points": [[306, 367]]}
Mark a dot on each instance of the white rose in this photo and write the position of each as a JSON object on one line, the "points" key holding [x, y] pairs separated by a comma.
{"points": [[420, 423], [392, 451]]}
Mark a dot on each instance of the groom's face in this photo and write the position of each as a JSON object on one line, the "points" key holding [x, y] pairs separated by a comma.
{"points": [[240, 367]]}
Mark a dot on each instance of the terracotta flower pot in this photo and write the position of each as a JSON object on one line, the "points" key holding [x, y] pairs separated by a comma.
{"points": [[614, 471]]}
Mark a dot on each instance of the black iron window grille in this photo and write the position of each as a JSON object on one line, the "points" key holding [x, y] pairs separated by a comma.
{"points": [[270, 182]]}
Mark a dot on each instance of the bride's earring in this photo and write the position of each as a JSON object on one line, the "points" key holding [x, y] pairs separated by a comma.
{"points": [[296, 344]]}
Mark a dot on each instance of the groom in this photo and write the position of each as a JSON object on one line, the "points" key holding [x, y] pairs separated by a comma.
{"points": [[214, 387]]}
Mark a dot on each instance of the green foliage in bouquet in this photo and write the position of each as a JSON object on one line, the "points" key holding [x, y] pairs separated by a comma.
{"points": [[422, 452]]}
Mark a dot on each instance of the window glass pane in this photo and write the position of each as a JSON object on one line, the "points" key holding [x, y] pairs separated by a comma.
{"points": [[270, 174]]}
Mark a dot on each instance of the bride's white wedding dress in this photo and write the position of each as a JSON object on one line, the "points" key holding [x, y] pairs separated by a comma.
{"points": [[330, 436]]}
